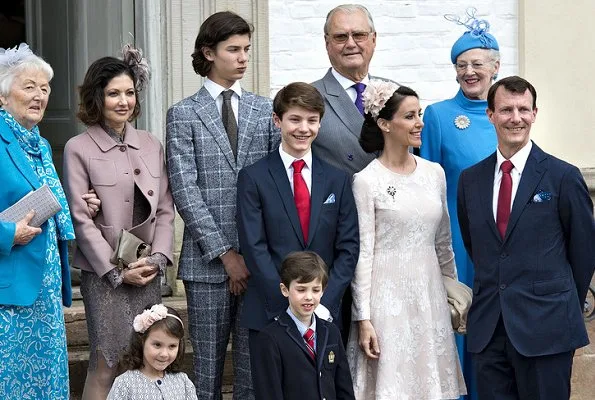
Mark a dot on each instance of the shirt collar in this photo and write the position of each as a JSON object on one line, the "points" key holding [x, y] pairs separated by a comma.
{"points": [[215, 89], [519, 159], [289, 159], [346, 83], [300, 325]]}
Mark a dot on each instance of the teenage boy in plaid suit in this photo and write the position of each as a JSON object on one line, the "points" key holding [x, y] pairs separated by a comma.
{"points": [[211, 135]]}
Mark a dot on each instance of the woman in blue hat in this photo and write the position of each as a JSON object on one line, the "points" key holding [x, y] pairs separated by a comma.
{"points": [[458, 134]]}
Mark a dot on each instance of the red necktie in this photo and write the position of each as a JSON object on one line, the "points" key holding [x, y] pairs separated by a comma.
{"points": [[301, 197], [503, 210], [309, 338]]}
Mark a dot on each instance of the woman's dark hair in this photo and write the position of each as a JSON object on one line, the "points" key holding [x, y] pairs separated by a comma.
{"points": [[371, 137], [92, 98], [217, 28], [133, 357]]}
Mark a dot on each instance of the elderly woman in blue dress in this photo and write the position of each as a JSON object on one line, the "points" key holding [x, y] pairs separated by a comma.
{"points": [[34, 273], [458, 134]]}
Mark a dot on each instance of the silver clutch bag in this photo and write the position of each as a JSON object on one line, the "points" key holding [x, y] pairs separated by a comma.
{"points": [[459, 297], [129, 249]]}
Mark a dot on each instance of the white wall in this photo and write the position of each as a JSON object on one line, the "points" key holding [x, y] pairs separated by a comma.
{"points": [[413, 45]]}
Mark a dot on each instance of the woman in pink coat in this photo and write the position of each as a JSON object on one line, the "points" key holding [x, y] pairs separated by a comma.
{"points": [[126, 168]]}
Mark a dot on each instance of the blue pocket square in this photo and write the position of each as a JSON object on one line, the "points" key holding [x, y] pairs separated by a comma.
{"points": [[541, 196], [330, 199]]}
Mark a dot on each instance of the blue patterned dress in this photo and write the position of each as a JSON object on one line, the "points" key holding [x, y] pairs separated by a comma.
{"points": [[456, 148], [33, 355]]}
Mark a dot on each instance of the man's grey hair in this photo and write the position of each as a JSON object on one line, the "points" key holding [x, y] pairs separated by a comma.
{"points": [[348, 9]]}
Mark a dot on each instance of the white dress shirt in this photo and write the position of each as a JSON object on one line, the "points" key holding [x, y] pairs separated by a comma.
{"points": [[347, 84], [518, 160], [306, 171], [216, 92]]}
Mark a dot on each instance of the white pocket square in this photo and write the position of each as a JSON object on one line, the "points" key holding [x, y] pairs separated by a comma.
{"points": [[330, 199]]}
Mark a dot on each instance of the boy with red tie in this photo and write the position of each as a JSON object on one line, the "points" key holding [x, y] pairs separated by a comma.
{"points": [[300, 356], [291, 200]]}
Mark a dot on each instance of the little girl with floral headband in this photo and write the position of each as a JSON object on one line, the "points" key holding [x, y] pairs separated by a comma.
{"points": [[154, 359]]}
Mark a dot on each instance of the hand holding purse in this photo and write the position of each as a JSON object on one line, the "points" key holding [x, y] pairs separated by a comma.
{"points": [[459, 297], [129, 249]]}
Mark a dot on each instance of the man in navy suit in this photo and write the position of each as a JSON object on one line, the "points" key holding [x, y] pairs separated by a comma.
{"points": [[271, 225], [300, 356], [527, 223]]}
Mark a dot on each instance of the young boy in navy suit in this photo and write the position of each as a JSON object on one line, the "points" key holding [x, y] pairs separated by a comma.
{"points": [[292, 200], [300, 356]]}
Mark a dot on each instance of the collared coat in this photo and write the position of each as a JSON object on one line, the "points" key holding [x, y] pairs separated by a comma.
{"points": [[93, 160]]}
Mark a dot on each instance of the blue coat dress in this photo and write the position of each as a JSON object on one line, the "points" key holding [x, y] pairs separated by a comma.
{"points": [[456, 148]]}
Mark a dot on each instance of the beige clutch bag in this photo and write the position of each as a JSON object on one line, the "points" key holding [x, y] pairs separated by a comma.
{"points": [[129, 249], [459, 298]]}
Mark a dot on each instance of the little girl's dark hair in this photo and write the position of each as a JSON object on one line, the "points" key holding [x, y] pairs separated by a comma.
{"points": [[371, 137], [133, 357]]}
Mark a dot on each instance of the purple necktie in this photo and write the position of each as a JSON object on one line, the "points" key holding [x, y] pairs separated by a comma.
{"points": [[359, 101]]}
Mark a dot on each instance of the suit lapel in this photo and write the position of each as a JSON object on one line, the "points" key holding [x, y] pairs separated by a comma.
{"points": [[16, 154], [246, 125], [279, 175], [316, 197], [532, 174], [321, 340], [293, 332], [486, 192], [207, 112], [341, 104]]}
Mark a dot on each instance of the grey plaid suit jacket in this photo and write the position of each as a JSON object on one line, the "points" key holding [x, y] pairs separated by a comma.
{"points": [[203, 175]]}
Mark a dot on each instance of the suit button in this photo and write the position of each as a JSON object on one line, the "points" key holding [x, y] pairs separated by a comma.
{"points": [[321, 374], [152, 219], [136, 171], [122, 148], [503, 255], [150, 193], [502, 286]]}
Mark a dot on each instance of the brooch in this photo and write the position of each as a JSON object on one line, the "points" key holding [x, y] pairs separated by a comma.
{"points": [[462, 122], [391, 191]]}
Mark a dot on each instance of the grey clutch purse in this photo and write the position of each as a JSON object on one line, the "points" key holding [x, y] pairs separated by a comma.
{"points": [[41, 200], [459, 298], [129, 249]]}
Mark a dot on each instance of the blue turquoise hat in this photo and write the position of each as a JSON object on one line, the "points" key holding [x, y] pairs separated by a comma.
{"points": [[477, 37]]}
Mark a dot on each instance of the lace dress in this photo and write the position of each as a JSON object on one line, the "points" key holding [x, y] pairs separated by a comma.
{"points": [[405, 250]]}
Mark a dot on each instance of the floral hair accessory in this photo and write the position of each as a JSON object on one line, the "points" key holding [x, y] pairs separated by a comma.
{"points": [[477, 35], [376, 95], [157, 312], [139, 65], [12, 56]]}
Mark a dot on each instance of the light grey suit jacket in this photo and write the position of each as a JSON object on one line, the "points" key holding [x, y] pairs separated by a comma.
{"points": [[338, 139], [203, 175]]}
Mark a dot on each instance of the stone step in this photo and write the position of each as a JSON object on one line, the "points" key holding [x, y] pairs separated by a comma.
{"points": [[78, 347]]}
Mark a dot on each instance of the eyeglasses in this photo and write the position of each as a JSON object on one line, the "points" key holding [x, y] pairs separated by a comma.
{"points": [[477, 65], [344, 37]]}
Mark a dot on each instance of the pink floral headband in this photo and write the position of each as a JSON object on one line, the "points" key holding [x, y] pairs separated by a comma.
{"points": [[376, 95], [143, 321]]}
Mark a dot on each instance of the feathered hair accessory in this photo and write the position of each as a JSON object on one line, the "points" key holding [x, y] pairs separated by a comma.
{"points": [[12, 56], [138, 64], [477, 36], [147, 318], [376, 95]]}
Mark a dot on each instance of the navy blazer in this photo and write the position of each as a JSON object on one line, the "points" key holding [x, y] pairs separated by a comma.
{"points": [[284, 369], [269, 229], [21, 267], [537, 276]]}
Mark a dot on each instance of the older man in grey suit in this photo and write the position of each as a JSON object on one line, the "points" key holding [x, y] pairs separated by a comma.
{"points": [[350, 40], [211, 135]]}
